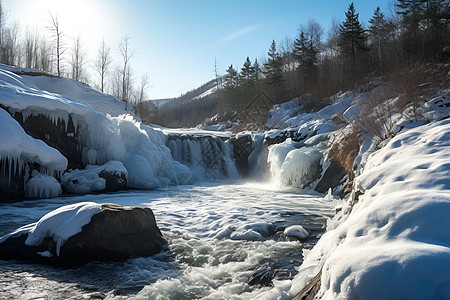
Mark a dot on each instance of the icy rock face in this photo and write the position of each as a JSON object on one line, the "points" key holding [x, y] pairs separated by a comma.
{"points": [[82, 232], [18, 153], [208, 157], [292, 167]]}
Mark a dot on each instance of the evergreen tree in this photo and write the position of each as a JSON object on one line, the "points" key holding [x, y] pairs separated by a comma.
{"points": [[305, 53], [352, 35], [256, 71], [246, 71], [425, 23], [231, 76], [274, 67]]}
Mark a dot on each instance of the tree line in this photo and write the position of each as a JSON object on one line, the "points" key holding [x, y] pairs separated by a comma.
{"points": [[309, 64], [63, 56]]}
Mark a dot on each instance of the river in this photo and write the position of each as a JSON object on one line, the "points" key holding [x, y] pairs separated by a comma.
{"points": [[222, 238]]}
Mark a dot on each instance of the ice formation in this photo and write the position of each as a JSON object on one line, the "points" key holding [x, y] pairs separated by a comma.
{"points": [[296, 231], [293, 167], [393, 244], [101, 137], [208, 157], [42, 186], [19, 150]]}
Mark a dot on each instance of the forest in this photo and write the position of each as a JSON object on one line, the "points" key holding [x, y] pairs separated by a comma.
{"points": [[315, 65]]}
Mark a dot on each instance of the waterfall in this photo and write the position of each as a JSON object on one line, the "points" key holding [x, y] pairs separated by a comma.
{"points": [[208, 157]]}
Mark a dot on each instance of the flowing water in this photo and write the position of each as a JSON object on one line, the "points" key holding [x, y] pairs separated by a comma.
{"points": [[223, 241]]}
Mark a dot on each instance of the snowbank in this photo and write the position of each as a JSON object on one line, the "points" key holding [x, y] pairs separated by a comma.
{"points": [[394, 244]]}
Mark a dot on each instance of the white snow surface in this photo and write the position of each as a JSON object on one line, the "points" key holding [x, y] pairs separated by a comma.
{"points": [[394, 244], [70, 89], [60, 224]]}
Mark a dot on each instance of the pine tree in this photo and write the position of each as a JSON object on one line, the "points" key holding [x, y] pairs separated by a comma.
{"points": [[274, 67], [231, 76], [425, 23], [352, 35], [305, 53], [246, 71], [256, 71]]}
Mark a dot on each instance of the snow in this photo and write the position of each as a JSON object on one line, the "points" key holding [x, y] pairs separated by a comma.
{"points": [[69, 89], [62, 223], [393, 244], [59, 224], [296, 231]]}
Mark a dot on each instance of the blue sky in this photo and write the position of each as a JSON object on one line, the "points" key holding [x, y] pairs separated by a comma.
{"points": [[176, 42]]}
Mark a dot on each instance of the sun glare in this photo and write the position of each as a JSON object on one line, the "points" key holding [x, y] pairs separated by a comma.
{"points": [[76, 17]]}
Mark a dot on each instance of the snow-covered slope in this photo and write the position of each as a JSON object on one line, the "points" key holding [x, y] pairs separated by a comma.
{"points": [[70, 89], [394, 244]]}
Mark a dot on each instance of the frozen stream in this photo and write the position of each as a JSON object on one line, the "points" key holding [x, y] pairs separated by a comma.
{"points": [[221, 237]]}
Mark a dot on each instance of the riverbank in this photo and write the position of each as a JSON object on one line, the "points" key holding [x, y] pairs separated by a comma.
{"points": [[389, 240]]}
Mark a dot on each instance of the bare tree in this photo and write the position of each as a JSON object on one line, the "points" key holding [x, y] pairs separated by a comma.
{"points": [[44, 53], [3, 17], [58, 36], [29, 48], [126, 72], [78, 60], [10, 46], [142, 93], [102, 63]]}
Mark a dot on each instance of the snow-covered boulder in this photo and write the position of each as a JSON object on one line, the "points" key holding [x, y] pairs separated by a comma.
{"points": [[82, 232], [110, 177]]}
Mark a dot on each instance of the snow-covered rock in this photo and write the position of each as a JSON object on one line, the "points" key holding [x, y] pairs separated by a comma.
{"points": [[296, 231], [111, 176], [78, 233]]}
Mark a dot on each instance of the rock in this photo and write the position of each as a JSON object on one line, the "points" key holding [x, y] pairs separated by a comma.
{"points": [[331, 178], [309, 292], [296, 231], [114, 181], [266, 272], [116, 233], [242, 148]]}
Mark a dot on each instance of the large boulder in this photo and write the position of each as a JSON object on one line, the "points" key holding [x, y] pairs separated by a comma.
{"points": [[108, 232]]}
